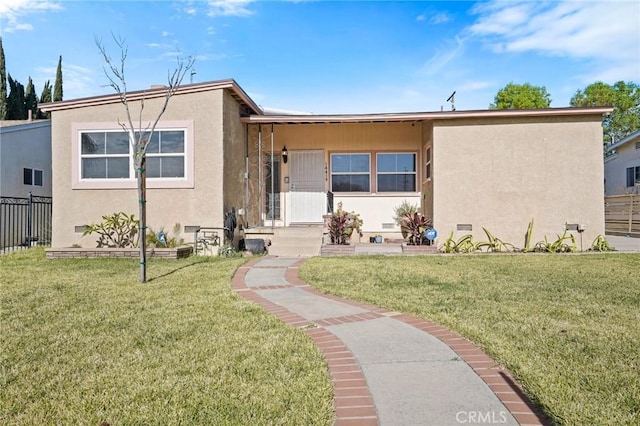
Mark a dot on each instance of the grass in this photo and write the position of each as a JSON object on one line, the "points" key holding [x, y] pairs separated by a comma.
{"points": [[566, 326], [82, 342]]}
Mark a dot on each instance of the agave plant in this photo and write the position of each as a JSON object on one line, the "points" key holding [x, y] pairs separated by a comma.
{"points": [[601, 244], [495, 244], [414, 224], [464, 244], [560, 245]]}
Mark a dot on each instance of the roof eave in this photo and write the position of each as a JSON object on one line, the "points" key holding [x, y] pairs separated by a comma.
{"points": [[631, 137], [156, 92], [420, 116]]}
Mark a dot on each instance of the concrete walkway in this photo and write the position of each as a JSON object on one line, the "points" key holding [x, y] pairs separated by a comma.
{"points": [[388, 368]]}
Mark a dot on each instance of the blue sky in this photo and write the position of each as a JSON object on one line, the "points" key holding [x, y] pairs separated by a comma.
{"points": [[333, 56]]}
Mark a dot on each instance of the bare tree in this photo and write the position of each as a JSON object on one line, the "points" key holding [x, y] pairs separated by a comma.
{"points": [[141, 132]]}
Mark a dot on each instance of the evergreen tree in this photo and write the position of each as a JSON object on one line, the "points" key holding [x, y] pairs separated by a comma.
{"points": [[3, 85], [31, 100], [16, 109], [44, 98], [57, 87]]}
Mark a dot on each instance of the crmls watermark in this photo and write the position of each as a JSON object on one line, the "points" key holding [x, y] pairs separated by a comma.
{"points": [[481, 417]]}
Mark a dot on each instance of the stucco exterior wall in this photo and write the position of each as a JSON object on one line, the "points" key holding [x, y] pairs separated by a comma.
{"points": [[615, 168], [200, 205], [26, 145], [375, 209], [500, 174], [235, 152]]}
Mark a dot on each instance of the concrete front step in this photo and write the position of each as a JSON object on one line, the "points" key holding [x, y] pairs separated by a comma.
{"points": [[292, 241]]}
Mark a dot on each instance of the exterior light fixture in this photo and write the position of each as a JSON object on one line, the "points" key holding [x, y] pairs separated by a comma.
{"points": [[285, 154]]}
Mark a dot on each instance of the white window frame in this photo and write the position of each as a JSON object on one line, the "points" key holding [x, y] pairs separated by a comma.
{"points": [[368, 174], [414, 172], [125, 183]]}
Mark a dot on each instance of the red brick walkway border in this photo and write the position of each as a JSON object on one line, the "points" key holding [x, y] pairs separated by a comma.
{"points": [[352, 400]]}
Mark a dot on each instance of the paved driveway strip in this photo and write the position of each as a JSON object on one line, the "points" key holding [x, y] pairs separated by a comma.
{"points": [[388, 368]]}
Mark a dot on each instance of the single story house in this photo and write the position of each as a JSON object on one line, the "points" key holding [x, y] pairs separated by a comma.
{"points": [[622, 166], [216, 150]]}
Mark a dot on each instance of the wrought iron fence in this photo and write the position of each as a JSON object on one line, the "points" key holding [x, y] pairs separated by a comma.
{"points": [[24, 222]]}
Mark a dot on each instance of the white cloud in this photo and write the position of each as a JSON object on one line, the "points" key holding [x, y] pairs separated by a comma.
{"points": [[441, 59], [14, 12], [606, 33], [475, 85], [440, 18], [229, 7], [78, 81]]}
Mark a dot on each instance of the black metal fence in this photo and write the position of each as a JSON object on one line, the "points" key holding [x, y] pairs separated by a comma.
{"points": [[24, 222]]}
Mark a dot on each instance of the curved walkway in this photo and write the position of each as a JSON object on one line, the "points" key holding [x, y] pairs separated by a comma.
{"points": [[388, 368]]}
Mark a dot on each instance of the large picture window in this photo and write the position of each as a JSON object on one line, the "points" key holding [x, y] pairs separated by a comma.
{"points": [[107, 155], [350, 172], [396, 172]]}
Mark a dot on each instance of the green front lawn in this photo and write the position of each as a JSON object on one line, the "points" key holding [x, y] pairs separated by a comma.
{"points": [[567, 326], [83, 342]]}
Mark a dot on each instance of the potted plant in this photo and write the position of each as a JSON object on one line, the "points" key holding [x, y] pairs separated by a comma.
{"points": [[414, 224], [400, 212], [342, 227]]}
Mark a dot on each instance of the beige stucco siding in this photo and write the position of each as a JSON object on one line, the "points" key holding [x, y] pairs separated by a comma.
{"points": [[501, 174], [234, 156], [199, 205]]}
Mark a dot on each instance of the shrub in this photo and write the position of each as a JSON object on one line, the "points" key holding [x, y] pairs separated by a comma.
{"points": [[164, 239], [343, 224], [414, 224], [116, 231], [402, 210]]}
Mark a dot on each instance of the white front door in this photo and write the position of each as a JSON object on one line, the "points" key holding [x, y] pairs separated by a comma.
{"points": [[307, 186]]}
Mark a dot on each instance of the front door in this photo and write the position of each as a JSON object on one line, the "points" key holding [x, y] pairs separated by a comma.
{"points": [[307, 186]]}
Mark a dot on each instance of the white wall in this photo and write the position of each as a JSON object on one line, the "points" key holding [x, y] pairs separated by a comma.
{"points": [[23, 146]]}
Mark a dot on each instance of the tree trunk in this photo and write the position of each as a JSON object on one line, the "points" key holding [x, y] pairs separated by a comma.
{"points": [[142, 209]]}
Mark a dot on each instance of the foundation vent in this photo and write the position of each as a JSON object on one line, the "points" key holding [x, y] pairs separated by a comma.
{"points": [[464, 227], [388, 226]]}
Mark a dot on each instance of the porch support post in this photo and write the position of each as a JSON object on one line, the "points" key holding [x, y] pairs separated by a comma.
{"points": [[272, 201], [260, 176]]}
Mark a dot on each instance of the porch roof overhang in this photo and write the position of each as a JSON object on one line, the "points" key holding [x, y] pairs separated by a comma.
{"points": [[420, 116], [157, 92]]}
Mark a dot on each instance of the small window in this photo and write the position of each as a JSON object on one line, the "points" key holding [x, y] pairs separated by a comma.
{"points": [[350, 172], [427, 159], [28, 176], [633, 176], [396, 172], [637, 145], [37, 177], [32, 177]]}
